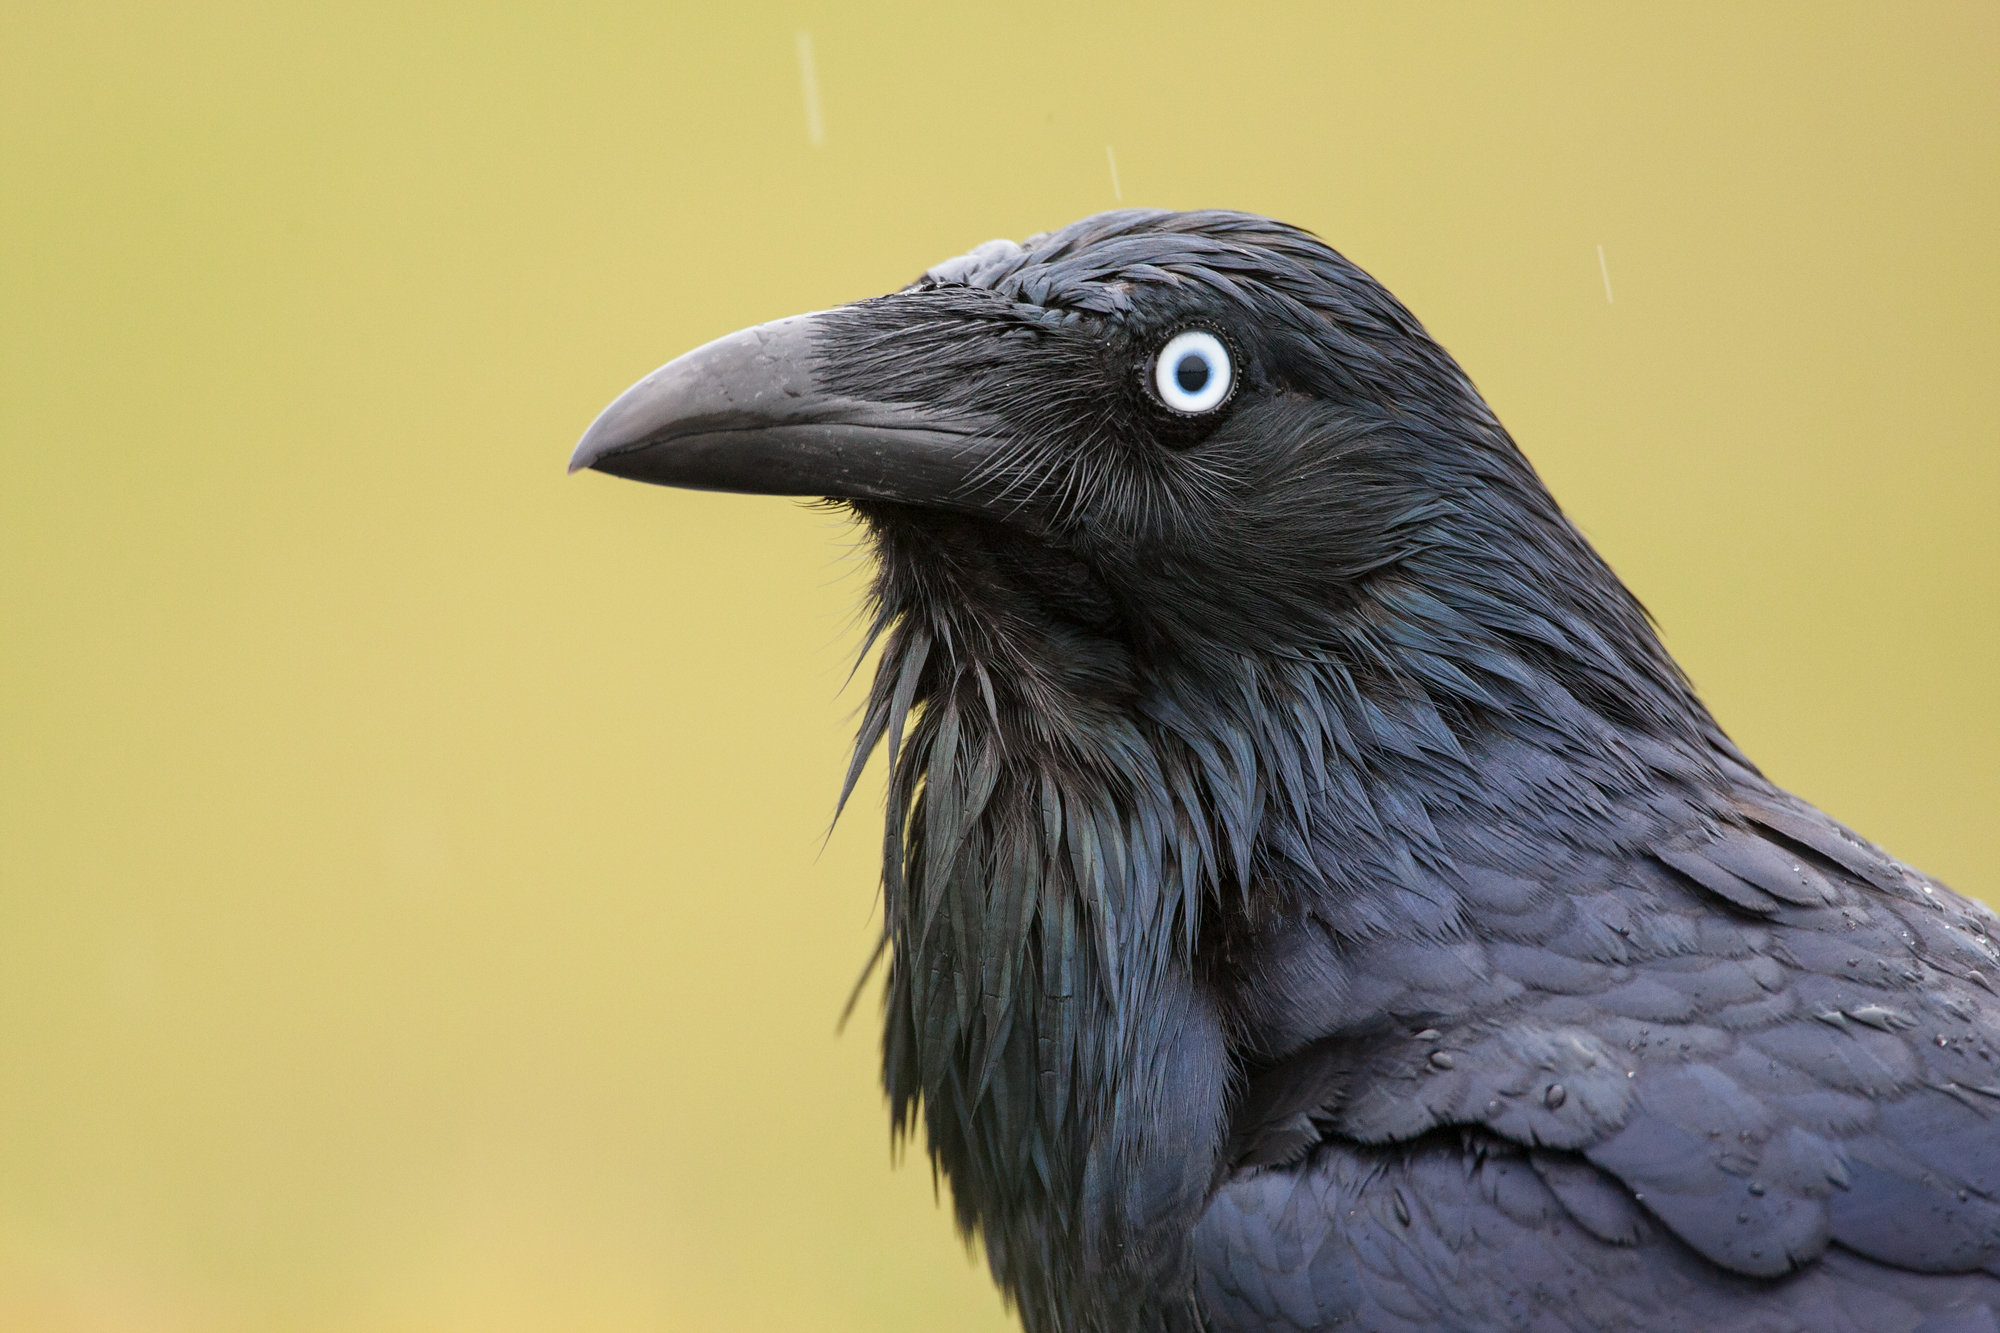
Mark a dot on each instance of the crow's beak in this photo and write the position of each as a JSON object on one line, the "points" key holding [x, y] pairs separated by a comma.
{"points": [[750, 412]]}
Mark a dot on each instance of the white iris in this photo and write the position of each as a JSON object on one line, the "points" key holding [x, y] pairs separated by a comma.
{"points": [[1192, 372]]}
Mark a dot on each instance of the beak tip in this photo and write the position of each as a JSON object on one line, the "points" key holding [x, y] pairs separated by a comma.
{"points": [[591, 449]]}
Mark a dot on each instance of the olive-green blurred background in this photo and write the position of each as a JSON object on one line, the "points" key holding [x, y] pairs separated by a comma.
{"points": [[412, 907]]}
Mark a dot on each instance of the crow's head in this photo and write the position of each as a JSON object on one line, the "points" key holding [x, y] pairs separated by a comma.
{"points": [[1207, 579], [1153, 442]]}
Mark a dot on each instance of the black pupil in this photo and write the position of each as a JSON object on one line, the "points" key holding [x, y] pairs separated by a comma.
{"points": [[1191, 373]]}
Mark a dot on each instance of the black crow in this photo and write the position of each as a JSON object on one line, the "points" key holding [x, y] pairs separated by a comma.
{"points": [[1314, 898]]}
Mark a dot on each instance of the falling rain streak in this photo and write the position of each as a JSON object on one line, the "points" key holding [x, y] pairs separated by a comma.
{"points": [[809, 77], [1605, 269], [1112, 158]]}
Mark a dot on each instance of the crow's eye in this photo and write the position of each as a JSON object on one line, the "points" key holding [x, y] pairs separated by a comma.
{"points": [[1192, 372]]}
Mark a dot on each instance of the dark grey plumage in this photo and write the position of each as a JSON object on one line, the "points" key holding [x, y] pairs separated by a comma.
{"points": [[1314, 898]]}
